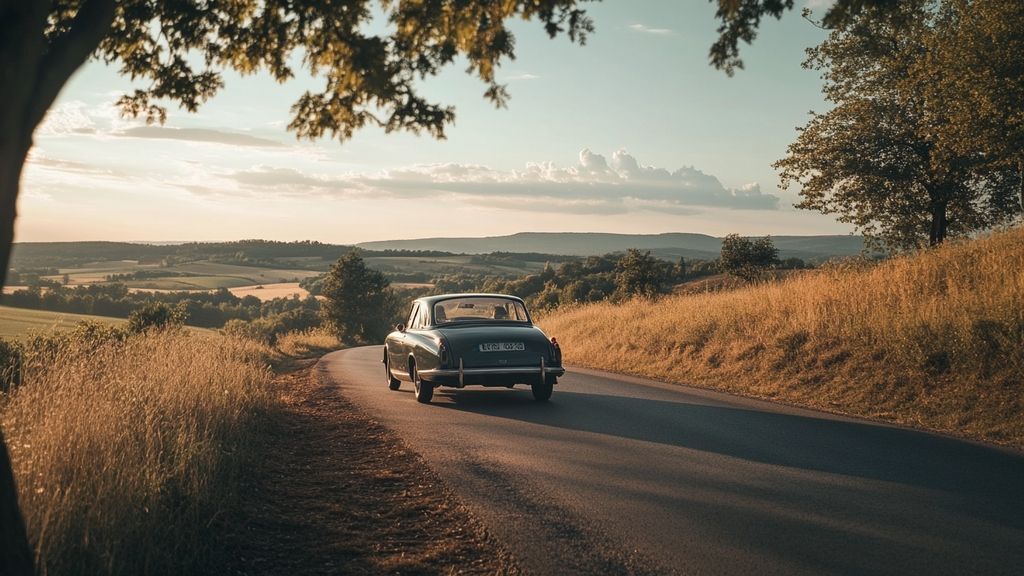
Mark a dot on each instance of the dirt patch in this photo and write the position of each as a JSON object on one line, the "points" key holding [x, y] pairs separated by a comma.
{"points": [[337, 493]]}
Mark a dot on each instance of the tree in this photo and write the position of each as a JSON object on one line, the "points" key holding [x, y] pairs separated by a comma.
{"points": [[747, 259], [875, 159], [358, 307], [979, 47], [640, 274]]}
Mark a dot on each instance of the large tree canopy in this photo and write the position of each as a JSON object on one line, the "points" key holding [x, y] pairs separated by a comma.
{"points": [[879, 159], [979, 46]]}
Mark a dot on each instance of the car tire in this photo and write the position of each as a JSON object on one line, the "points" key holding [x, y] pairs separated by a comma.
{"points": [[542, 390], [424, 390], [393, 383]]}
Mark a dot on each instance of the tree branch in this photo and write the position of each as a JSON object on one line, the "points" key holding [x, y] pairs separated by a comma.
{"points": [[67, 53]]}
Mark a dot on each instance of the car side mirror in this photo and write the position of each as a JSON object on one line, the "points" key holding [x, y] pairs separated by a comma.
{"points": [[400, 327]]}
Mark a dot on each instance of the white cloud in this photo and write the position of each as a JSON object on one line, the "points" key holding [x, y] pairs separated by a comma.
{"points": [[643, 29], [520, 77], [67, 118], [197, 135], [593, 185]]}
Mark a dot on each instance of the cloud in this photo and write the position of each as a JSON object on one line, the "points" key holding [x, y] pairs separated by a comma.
{"points": [[291, 182], [197, 135], [67, 118], [642, 29], [520, 77], [593, 185]]}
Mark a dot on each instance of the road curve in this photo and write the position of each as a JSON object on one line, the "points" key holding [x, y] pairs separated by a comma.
{"points": [[619, 475]]}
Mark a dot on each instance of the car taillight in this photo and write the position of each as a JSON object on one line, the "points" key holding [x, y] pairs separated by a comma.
{"points": [[556, 352], [443, 353]]}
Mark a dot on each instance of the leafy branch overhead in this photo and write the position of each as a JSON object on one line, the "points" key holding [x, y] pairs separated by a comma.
{"points": [[740, 20], [368, 56]]}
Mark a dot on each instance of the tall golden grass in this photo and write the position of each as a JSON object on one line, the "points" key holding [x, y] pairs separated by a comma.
{"points": [[307, 343], [126, 448], [934, 340]]}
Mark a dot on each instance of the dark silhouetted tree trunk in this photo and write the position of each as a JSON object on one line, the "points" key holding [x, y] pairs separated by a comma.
{"points": [[16, 556], [937, 234], [33, 69]]}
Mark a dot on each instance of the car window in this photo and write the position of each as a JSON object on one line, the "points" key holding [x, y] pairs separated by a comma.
{"points": [[410, 323], [479, 309], [423, 318]]}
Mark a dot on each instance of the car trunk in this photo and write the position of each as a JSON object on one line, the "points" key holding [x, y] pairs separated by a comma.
{"points": [[465, 343]]}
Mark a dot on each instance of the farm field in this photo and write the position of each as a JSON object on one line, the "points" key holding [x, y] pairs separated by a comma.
{"points": [[18, 322], [447, 265], [253, 274], [199, 275], [270, 291]]}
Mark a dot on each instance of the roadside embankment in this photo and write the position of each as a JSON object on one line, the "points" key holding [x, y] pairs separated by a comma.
{"points": [[127, 447], [933, 340]]}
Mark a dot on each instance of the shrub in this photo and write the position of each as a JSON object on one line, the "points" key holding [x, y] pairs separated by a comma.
{"points": [[157, 315]]}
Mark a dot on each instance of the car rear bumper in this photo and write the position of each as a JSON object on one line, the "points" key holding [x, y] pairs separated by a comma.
{"points": [[513, 370], [492, 376]]}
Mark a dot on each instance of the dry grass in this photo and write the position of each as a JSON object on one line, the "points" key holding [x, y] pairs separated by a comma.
{"points": [[307, 343], [270, 291], [126, 449], [934, 340]]}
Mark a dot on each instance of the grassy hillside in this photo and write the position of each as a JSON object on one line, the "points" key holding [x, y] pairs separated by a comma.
{"points": [[934, 340], [17, 322]]}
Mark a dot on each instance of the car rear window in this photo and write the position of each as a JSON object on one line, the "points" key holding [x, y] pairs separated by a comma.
{"points": [[479, 309]]}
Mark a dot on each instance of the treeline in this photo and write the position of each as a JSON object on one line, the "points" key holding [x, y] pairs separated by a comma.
{"points": [[621, 276], [596, 278], [591, 279], [300, 254], [202, 309]]}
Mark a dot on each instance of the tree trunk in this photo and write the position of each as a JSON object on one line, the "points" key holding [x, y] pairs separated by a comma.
{"points": [[16, 555], [937, 234], [33, 70], [1020, 184]]}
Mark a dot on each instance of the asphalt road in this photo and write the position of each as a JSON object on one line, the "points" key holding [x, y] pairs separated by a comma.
{"points": [[623, 475]]}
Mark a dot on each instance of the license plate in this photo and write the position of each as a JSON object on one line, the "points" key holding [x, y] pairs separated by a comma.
{"points": [[502, 347]]}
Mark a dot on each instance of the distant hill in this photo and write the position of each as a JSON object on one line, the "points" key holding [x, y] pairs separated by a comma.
{"points": [[670, 245]]}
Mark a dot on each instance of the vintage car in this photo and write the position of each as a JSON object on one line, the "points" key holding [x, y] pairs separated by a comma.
{"points": [[461, 340]]}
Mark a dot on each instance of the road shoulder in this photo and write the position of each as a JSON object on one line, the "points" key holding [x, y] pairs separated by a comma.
{"points": [[336, 492]]}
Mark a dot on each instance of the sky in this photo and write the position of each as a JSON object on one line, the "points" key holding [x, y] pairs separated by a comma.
{"points": [[632, 133]]}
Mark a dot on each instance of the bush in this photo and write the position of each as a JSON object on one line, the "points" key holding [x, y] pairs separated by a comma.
{"points": [[748, 259], [158, 315]]}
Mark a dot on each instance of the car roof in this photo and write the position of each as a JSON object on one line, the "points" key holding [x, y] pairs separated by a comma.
{"points": [[431, 300]]}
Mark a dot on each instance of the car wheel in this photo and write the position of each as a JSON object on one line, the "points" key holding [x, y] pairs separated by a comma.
{"points": [[393, 383], [542, 390], [424, 389]]}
